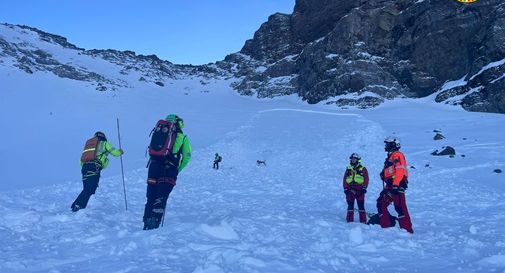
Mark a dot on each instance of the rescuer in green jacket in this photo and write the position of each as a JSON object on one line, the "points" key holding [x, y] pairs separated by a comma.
{"points": [[93, 161], [164, 168]]}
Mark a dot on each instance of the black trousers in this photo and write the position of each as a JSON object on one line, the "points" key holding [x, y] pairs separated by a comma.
{"points": [[216, 165], [90, 178], [157, 196]]}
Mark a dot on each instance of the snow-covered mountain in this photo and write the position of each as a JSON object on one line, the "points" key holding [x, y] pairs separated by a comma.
{"points": [[288, 216], [34, 51], [343, 53]]}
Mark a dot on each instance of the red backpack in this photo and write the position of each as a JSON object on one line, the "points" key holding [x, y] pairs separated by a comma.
{"points": [[90, 150], [163, 139]]}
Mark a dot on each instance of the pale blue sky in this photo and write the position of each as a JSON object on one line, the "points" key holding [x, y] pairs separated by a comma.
{"points": [[180, 31]]}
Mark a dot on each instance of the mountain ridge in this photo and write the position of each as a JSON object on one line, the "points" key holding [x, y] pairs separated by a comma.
{"points": [[347, 53]]}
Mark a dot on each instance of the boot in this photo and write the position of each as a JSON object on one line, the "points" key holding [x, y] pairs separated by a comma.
{"points": [[362, 216], [75, 208], [350, 216]]}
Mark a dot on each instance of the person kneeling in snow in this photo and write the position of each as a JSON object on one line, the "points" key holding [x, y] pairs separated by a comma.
{"points": [[170, 152], [355, 183], [395, 176]]}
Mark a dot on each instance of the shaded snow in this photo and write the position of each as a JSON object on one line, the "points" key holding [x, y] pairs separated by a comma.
{"points": [[288, 216]]}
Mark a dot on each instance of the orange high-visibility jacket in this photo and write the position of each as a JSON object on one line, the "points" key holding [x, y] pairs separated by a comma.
{"points": [[395, 169]]}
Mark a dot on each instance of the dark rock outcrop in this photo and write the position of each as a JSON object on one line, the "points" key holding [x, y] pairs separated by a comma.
{"points": [[390, 48], [52, 38], [446, 150]]}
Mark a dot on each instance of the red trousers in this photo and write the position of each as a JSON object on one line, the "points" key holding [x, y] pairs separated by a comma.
{"points": [[398, 199], [360, 199]]}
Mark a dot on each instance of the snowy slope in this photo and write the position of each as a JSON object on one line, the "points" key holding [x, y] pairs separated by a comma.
{"points": [[285, 217]]}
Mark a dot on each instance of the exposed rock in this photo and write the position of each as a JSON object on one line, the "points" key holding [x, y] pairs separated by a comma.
{"points": [[25, 55], [150, 66], [159, 83], [70, 72], [6, 48], [392, 48], [25, 64], [348, 52], [273, 40], [44, 58], [497, 171], [446, 150], [52, 38], [362, 103], [101, 88]]}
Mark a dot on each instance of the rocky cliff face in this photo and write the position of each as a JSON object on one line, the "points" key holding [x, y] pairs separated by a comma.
{"points": [[342, 52], [358, 52]]}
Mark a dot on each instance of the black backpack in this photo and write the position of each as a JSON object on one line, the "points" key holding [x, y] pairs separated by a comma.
{"points": [[375, 220]]}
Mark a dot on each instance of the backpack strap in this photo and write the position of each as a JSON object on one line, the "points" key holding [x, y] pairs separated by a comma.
{"points": [[152, 131], [98, 156]]}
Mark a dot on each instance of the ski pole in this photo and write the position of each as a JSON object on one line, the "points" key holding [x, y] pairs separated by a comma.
{"points": [[122, 170]]}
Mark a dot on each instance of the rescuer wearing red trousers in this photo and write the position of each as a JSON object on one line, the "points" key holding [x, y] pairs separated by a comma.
{"points": [[355, 183], [395, 176]]}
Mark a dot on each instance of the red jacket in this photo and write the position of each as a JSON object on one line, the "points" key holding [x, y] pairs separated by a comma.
{"points": [[395, 168]]}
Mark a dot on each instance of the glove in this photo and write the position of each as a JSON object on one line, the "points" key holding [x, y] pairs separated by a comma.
{"points": [[395, 190], [363, 190], [121, 151], [347, 191], [382, 175]]}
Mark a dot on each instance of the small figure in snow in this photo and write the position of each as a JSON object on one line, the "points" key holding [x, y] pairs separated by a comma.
{"points": [[261, 162], [93, 161], [395, 176], [217, 159], [170, 152], [355, 183]]}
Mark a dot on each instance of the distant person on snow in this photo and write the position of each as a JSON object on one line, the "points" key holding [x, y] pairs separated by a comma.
{"points": [[355, 183], [93, 161], [395, 176], [217, 159], [170, 152]]}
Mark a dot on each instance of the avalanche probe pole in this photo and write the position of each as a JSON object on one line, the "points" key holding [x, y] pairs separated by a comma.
{"points": [[122, 171]]}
